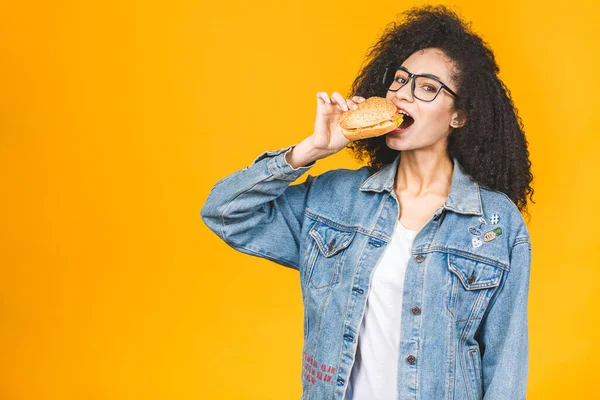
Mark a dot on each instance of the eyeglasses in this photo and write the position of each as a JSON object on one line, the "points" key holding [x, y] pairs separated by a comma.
{"points": [[424, 87]]}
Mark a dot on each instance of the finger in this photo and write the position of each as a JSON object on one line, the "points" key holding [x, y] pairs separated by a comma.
{"points": [[351, 105], [323, 98], [339, 100], [358, 99]]}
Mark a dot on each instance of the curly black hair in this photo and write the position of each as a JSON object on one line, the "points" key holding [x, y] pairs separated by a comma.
{"points": [[491, 146]]}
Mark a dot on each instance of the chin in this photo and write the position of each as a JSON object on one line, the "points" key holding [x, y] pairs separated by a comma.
{"points": [[396, 142]]}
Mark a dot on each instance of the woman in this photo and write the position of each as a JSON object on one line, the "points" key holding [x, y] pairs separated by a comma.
{"points": [[414, 270]]}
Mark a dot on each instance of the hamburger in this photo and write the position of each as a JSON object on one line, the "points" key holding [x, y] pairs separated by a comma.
{"points": [[375, 116]]}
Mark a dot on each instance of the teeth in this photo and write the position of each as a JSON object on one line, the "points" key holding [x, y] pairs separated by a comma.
{"points": [[403, 112]]}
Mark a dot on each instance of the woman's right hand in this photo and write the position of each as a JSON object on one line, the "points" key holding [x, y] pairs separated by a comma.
{"points": [[327, 136]]}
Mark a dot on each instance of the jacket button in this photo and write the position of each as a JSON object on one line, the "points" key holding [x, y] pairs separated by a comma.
{"points": [[420, 258], [340, 381], [331, 245], [471, 279], [359, 290], [416, 310], [411, 359]]}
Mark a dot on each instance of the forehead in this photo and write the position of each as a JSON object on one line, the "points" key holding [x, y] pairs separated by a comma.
{"points": [[429, 61]]}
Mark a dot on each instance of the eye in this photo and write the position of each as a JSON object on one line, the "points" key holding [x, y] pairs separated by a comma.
{"points": [[431, 88], [401, 80]]}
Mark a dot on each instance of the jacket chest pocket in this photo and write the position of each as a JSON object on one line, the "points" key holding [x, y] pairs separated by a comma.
{"points": [[471, 283], [326, 254]]}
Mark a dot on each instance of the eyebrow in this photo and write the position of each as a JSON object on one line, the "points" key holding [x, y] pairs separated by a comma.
{"points": [[430, 75]]}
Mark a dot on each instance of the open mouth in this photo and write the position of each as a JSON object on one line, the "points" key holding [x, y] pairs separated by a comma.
{"points": [[406, 122]]}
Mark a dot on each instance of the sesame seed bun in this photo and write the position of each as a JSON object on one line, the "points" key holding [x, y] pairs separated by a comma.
{"points": [[375, 116]]}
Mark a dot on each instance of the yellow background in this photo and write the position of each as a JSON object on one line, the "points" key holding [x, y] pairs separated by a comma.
{"points": [[119, 116]]}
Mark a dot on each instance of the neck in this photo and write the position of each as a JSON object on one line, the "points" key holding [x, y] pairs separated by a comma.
{"points": [[424, 174]]}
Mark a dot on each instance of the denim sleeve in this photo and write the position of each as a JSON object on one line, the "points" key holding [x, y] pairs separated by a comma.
{"points": [[504, 333], [257, 211]]}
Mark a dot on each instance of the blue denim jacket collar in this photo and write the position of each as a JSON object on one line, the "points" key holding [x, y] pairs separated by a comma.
{"points": [[464, 197]]}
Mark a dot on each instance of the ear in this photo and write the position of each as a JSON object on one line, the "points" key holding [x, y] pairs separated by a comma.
{"points": [[459, 119]]}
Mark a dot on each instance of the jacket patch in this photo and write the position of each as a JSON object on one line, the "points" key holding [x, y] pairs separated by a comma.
{"points": [[495, 219], [493, 234], [314, 371], [476, 230]]}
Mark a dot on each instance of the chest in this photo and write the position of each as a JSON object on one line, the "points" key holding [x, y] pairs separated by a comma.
{"points": [[414, 212]]}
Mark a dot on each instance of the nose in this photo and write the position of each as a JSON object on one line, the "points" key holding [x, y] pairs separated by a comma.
{"points": [[405, 92]]}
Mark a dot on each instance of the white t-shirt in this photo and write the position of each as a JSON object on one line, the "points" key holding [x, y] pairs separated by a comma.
{"points": [[374, 373]]}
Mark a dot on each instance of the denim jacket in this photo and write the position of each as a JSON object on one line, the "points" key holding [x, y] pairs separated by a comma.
{"points": [[464, 333]]}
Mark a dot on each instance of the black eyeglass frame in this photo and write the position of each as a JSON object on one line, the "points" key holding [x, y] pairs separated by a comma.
{"points": [[413, 76]]}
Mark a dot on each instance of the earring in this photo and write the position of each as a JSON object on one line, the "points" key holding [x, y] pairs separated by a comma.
{"points": [[454, 123]]}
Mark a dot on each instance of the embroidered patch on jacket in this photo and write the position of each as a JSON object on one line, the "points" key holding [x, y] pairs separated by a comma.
{"points": [[476, 242], [495, 219], [475, 231], [493, 234], [314, 371]]}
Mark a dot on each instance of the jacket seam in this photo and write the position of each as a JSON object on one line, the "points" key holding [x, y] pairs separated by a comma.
{"points": [[520, 240], [465, 254], [369, 232], [444, 249], [235, 198], [267, 255]]}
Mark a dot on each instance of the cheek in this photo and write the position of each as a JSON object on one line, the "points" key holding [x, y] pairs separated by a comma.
{"points": [[436, 116]]}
